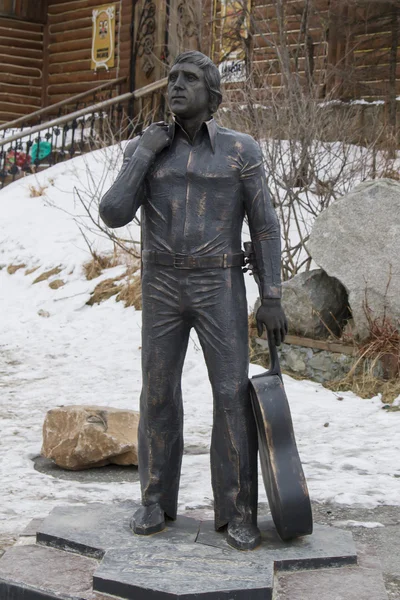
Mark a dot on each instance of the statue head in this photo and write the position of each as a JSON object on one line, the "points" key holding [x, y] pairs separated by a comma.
{"points": [[194, 85]]}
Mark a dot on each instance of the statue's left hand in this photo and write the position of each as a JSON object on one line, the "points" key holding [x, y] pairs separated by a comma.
{"points": [[271, 316]]}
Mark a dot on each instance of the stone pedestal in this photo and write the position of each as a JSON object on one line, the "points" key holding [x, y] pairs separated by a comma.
{"points": [[85, 552]]}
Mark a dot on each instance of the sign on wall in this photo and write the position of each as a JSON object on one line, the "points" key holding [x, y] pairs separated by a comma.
{"points": [[235, 15], [103, 37]]}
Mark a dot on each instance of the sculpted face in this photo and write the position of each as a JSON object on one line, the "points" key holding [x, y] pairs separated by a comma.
{"points": [[187, 92]]}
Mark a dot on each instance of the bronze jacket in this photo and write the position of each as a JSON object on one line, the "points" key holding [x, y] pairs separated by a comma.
{"points": [[195, 196]]}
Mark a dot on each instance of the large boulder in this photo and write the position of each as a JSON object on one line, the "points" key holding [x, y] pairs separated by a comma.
{"points": [[315, 304], [357, 240], [81, 437]]}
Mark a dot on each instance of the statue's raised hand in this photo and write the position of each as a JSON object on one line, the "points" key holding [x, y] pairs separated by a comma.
{"points": [[156, 137], [271, 316]]}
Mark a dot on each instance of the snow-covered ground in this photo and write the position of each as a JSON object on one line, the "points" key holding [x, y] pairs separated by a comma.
{"points": [[54, 350]]}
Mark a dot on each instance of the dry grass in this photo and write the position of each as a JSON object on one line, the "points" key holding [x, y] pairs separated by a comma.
{"points": [[47, 274], [366, 385], [376, 369], [94, 267], [127, 287], [131, 293], [11, 269], [30, 271], [104, 290], [36, 191]]}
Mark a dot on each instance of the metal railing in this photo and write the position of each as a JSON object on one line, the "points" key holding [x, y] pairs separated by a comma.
{"points": [[29, 150], [67, 105]]}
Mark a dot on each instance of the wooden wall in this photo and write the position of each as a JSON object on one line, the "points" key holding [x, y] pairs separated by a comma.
{"points": [[366, 42], [21, 67], [69, 28], [349, 45], [41, 64], [30, 10]]}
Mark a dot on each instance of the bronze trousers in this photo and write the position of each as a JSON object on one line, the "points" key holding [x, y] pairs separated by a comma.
{"points": [[214, 303]]}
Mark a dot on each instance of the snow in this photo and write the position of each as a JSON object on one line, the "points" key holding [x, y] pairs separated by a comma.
{"points": [[91, 355], [351, 523]]}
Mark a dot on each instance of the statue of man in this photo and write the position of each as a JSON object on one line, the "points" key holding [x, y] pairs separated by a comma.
{"points": [[196, 181]]}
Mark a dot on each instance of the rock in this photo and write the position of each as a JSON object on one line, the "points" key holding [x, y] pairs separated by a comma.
{"points": [[315, 304], [81, 437], [357, 241]]}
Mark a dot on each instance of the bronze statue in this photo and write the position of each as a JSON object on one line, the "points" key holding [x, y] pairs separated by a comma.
{"points": [[196, 181]]}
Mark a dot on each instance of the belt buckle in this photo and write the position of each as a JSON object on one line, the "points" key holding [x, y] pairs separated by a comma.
{"points": [[179, 261]]}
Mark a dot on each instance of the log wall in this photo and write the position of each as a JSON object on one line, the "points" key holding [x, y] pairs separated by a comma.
{"points": [[349, 47], [21, 67], [41, 64], [69, 45]]}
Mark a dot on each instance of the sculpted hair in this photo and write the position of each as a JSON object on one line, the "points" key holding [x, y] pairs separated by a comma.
{"points": [[212, 77]]}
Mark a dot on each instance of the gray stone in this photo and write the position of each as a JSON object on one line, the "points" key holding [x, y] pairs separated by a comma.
{"points": [[315, 304], [36, 573], [357, 241], [188, 560], [363, 582], [185, 571], [43, 573], [94, 528], [321, 549], [315, 364]]}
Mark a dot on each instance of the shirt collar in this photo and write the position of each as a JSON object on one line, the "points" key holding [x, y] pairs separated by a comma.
{"points": [[211, 129]]}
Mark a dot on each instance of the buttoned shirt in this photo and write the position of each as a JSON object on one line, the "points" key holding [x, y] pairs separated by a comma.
{"points": [[195, 195]]}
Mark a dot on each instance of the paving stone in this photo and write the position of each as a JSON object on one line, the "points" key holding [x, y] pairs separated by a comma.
{"points": [[160, 570], [94, 528], [32, 527], [324, 548], [42, 573], [187, 561], [364, 582]]}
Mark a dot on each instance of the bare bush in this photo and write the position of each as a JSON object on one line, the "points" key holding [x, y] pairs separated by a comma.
{"points": [[315, 147]]}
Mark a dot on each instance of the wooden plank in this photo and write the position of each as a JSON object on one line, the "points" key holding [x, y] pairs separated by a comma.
{"points": [[18, 99], [22, 61], [24, 71], [73, 6], [65, 57], [8, 32], [64, 26], [267, 22], [70, 67], [71, 16], [68, 36], [45, 67], [30, 92], [372, 42], [19, 79], [292, 39], [20, 25], [26, 44], [71, 46], [290, 8], [87, 76], [28, 52], [69, 88], [295, 340], [10, 108]]}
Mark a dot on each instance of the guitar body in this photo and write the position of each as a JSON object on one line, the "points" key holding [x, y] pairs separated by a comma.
{"points": [[282, 472]]}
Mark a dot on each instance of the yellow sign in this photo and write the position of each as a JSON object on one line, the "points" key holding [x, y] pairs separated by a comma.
{"points": [[103, 37]]}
